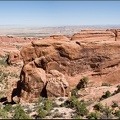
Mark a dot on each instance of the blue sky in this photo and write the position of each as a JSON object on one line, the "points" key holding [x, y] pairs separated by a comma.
{"points": [[59, 13]]}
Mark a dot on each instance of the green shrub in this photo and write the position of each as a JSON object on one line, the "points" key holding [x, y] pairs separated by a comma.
{"points": [[74, 92], [62, 105], [14, 75], [79, 107], [105, 84], [43, 106], [3, 60], [8, 107], [71, 102], [82, 83], [98, 107], [106, 95], [115, 104], [3, 114], [61, 99], [57, 114], [41, 112], [78, 117], [94, 115], [118, 90], [107, 112], [3, 75], [48, 105], [117, 113], [20, 113]]}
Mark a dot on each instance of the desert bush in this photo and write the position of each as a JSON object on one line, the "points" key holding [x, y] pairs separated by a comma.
{"points": [[89, 102], [105, 84], [94, 115], [79, 107], [61, 99], [13, 75], [8, 107], [41, 112], [40, 101], [3, 76], [48, 105], [54, 104], [107, 112], [18, 47], [3, 113], [29, 111], [62, 105], [57, 114], [117, 91], [77, 117], [43, 107], [1, 72], [117, 113], [98, 107], [71, 102], [3, 61], [19, 113], [106, 95], [82, 83], [115, 104], [74, 92]]}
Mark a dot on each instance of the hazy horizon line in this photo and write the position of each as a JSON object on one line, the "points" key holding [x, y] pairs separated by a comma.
{"points": [[59, 25]]}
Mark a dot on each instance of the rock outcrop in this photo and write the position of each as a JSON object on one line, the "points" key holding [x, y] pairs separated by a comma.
{"points": [[94, 35], [53, 65], [14, 39], [33, 81], [15, 58]]}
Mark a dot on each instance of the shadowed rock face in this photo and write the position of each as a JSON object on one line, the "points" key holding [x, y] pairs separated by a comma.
{"points": [[48, 63], [33, 81]]}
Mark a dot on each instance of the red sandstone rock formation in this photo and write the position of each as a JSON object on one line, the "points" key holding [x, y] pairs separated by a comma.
{"points": [[33, 81], [57, 85], [94, 35], [14, 39], [15, 58], [72, 59]]}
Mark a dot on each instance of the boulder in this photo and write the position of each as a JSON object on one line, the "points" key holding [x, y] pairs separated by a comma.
{"points": [[57, 85], [15, 58], [28, 54], [33, 82]]}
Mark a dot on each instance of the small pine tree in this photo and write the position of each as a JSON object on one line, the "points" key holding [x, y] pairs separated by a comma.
{"points": [[98, 107], [41, 112], [20, 113], [83, 83], [94, 115]]}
